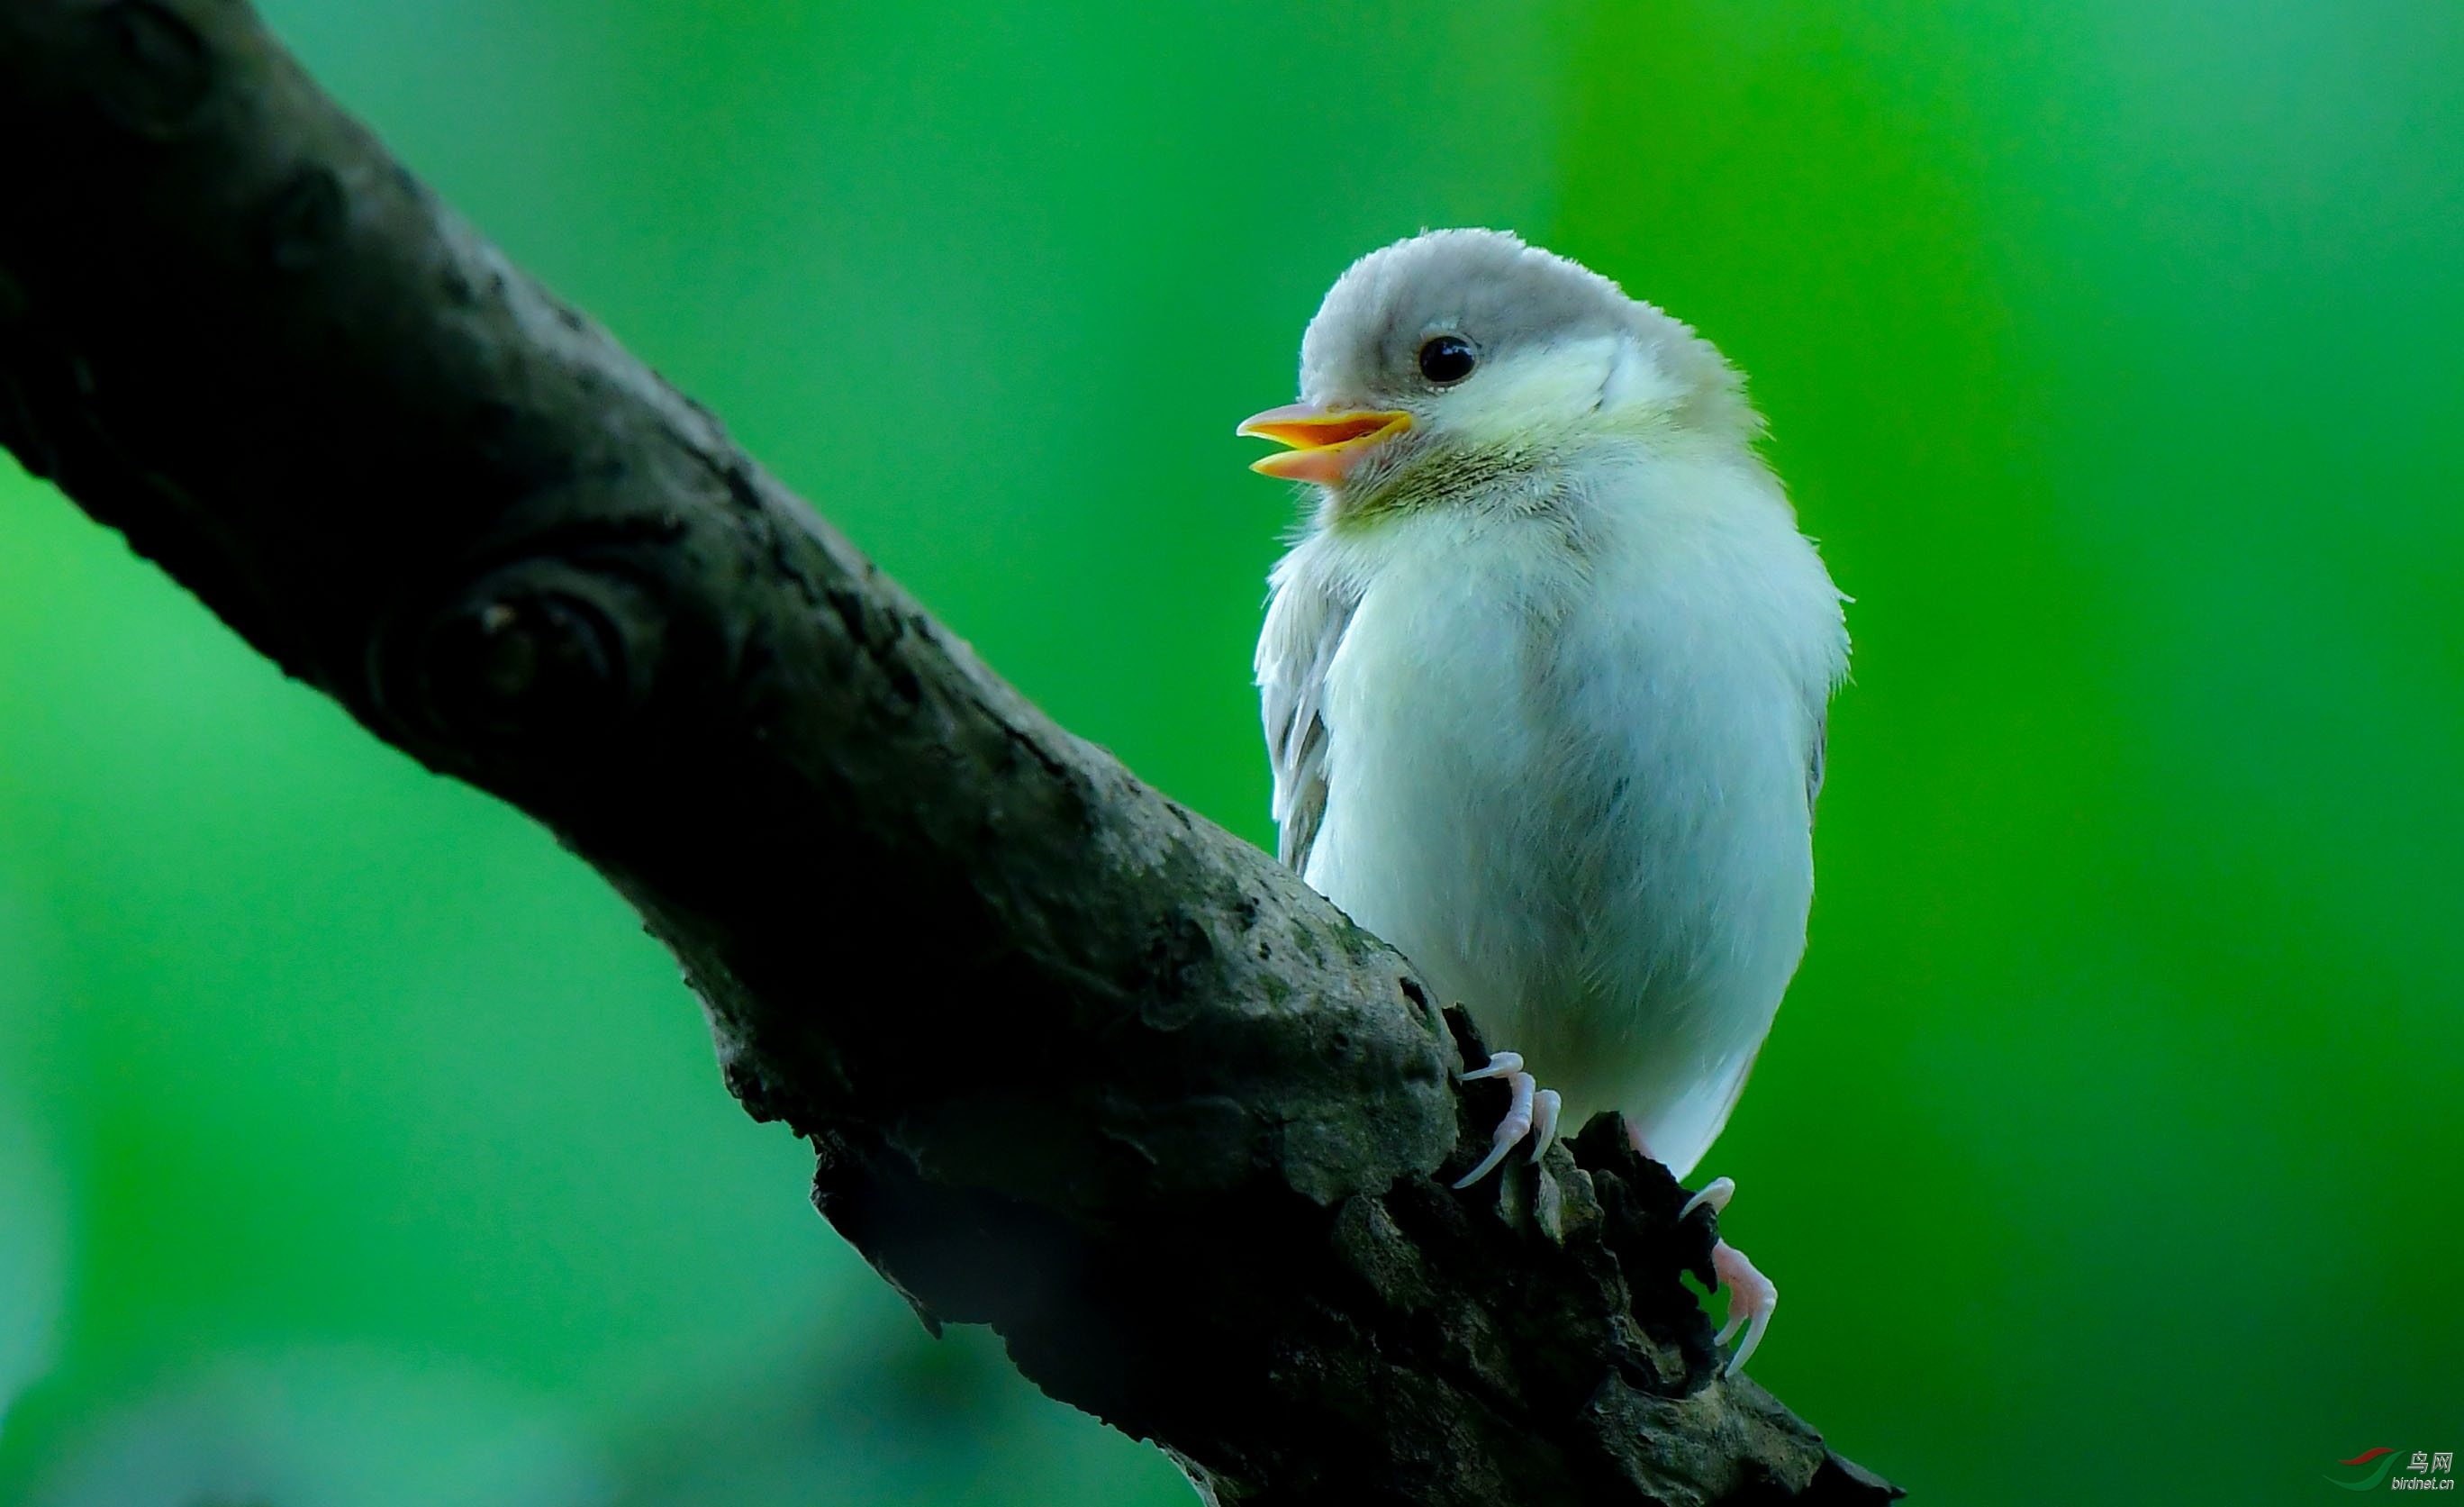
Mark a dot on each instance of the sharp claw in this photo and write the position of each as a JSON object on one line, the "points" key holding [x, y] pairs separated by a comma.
{"points": [[1516, 1125], [1754, 1336], [1717, 1192], [1546, 1105], [1487, 1165], [1501, 1064]]}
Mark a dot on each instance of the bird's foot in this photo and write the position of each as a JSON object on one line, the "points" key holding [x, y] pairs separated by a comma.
{"points": [[1533, 1113], [1751, 1296]]}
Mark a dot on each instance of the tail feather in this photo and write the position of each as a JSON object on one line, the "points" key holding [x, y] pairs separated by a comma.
{"points": [[1679, 1133]]}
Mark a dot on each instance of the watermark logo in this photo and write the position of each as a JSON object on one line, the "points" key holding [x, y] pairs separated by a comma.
{"points": [[2424, 1472]]}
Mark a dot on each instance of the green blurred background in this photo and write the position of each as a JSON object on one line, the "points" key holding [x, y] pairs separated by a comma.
{"points": [[355, 1147]]}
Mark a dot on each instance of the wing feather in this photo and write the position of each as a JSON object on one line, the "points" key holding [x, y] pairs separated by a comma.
{"points": [[1305, 626], [1814, 765]]}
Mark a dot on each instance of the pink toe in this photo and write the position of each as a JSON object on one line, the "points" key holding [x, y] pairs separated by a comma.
{"points": [[1751, 1298]]}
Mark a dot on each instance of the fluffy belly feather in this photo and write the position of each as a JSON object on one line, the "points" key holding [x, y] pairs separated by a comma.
{"points": [[1582, 815]]}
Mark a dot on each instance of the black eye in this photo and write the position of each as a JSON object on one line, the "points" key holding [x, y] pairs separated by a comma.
{"points": [[1448, 358]]}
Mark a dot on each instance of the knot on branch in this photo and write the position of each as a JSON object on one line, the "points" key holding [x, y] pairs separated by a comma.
{"points": [[303, 218], [147, 68], [538, 657]]}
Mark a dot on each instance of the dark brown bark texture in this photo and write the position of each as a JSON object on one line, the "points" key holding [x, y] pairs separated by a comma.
{"points": [[1077, 1063]]}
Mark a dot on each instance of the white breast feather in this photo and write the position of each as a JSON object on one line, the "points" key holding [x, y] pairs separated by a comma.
{"points": [[1563, 757]]}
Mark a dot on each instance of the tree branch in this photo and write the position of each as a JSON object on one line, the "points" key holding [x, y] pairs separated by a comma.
{"points": [[1077, 1063]]}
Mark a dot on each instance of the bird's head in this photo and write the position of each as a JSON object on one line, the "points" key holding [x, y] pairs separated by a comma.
{"points": [[1460, 357]]}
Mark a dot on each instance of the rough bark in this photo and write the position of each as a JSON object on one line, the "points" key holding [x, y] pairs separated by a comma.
{"points": [[1077, 1063]]}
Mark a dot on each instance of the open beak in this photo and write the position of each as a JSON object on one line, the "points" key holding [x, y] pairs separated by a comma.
{"points": [[1324, 443]]}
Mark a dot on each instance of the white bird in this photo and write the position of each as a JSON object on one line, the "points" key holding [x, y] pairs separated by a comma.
{"points": [[1545, 679]]}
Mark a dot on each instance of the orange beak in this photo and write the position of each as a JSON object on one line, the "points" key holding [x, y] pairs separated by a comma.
{"points": [[1325, 444]]}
